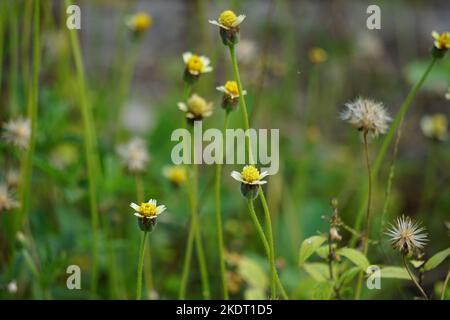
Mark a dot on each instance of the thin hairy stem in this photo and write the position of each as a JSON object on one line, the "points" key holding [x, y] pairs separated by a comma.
{"points": [[444, 288], [413, 278]]}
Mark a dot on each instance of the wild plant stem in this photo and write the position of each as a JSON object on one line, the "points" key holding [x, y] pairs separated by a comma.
{"points": [[365, 240], [387, 140], [140, 266], [413, 278], [271, 254], [218, 212], [444, 288], [90, 153]]}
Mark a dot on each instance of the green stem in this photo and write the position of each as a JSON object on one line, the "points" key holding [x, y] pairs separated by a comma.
{"points": [[270, 236], [220, 242], [140, 267], [187, 260], [444, 288], [387, 140], [413, 278], [90, 153], [365, 241]]}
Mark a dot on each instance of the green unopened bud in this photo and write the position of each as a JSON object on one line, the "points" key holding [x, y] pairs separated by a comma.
{"points": [[146, 224], [250, 191], [229, 103], [229, 37], [438, 53]]}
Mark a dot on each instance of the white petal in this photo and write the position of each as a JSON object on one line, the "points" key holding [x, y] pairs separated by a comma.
{"points": [[186, 56], [138, 215], [194, 72], [160, 209], [190, 115], [263, 174], [261, 182], [205, 60], [217, 24], [207, 113], [134, 206], [207, 69], [239, 20], [182, 106], [221, 89], [435, 35], [152, 201], [244, 92], [237, 176]]}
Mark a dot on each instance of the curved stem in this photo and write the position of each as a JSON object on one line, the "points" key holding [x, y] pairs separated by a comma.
{"points": [[365, 240], [413, 278], [387, 140], [219, 219], [140, 267], [270, 235]]}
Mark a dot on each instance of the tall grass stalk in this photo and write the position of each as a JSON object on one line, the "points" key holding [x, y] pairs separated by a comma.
{"points": [[90, 153], [218, 212], [386, 142], [271, 255]]}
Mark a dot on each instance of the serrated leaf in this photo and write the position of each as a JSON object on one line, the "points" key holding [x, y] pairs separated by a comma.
{"points": [[437, 259], [308, 247], [394, 273], [348, 275], [355, 256], [317, 271], [323, 291]]}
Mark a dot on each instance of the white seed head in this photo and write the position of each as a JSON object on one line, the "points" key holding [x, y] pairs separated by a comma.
{"points": [[367, 116], [407, 235], [17, 132], [134, 155]]}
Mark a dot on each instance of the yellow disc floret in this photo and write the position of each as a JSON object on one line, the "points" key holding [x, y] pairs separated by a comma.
{"points": [[141, 22], [439, 126], [177, 175], [317, 55], [232, 88], [442, 41], [227, 18], [250, 174], [147, 209], [195, 64]]}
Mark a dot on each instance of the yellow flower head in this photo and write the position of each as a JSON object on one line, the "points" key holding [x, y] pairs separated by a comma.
{"points": [[196, 107], [231, 89], [195, 64], [435, 126], [139, 22], [176, 174], [250, 175], [317, 55], [228, 20], [148, 209], [441, 41]]}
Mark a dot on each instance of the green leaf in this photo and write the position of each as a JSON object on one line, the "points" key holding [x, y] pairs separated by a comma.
{"points": [[323, 291], [437, 259], [394, 273], [348, 275], [324, 250], [417, 263], [308, 247], [254, 294], [355, 256], [317, 271]]}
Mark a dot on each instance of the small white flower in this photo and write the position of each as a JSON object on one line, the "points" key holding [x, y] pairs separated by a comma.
{"points": [[195, 64], [231, 89], [406, 235], [17, 132], [367, 116], [6, 200], [250, 175], [228, 20], [134, 155], [148, 209], [435, 126]]}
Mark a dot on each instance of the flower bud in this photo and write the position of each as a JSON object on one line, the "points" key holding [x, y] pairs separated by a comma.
{"points": [[250, 191], [146, 224]]}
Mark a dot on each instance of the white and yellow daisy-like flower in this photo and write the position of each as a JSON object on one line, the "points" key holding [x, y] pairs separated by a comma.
{"points": [[228, 20], [231, 90], [441, 41], [139, 22], [195, 64], [196, 108], [250, 175], [148, 210], [177, 175], [17, 132], [435, 126], [134, 155], [317, 55], [407, 235], [367, 116]]}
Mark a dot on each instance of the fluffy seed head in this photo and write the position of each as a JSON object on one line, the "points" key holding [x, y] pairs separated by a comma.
{"points": [[407, 235], [134, 155], [17, 132], [367, 116]]}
